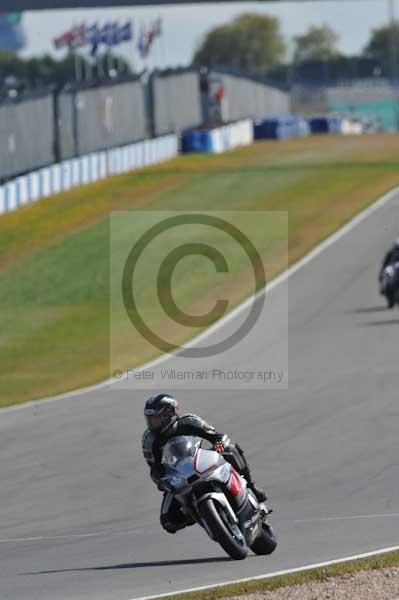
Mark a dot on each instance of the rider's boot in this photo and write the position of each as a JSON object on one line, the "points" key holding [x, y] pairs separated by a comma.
{"points": [[259, 492]]}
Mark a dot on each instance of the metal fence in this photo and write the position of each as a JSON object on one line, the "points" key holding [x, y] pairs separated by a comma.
{"points": [[41, 131], [371, 101], [176, 102], [66, 125], [245, 97], [378, 103], [309, 99], [27, 135], [101, 117]]}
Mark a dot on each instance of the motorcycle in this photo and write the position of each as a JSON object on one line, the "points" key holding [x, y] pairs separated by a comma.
{"points": [[213, 494], [389, 284]]}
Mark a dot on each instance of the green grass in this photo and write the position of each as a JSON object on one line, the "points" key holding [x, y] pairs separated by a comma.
{"points": [[54, 255], [382, 561]]}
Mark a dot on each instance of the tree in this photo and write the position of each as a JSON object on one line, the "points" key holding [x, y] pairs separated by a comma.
{"points": [[251, 43], [318, 43], [383, 46], [45, 71]]}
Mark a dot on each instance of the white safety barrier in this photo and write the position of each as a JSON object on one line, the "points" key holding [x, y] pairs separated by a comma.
{"points": [[85, 169], [228, 137], [351, 127]]}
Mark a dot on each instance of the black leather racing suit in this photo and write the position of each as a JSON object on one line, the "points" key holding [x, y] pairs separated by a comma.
{"points": [[172, 517], [392, 256]]}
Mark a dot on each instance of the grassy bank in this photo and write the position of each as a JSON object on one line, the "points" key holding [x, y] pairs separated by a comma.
{"points": [[54, 256]]}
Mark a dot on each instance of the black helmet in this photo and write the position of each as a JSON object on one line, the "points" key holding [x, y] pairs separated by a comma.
{"points": [[161, 412]]}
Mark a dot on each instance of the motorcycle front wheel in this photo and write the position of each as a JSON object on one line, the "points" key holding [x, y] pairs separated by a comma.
{"points": [[266, 542], [226, 533]]}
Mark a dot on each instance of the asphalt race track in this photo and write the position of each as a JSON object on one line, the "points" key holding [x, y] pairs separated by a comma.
{"points": [[79, 515]]}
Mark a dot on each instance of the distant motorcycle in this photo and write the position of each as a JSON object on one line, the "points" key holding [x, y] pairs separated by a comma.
{"points": [[213, 494], [389, 284]]}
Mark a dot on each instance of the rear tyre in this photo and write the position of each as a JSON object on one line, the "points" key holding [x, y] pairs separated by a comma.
{"points": [[266, 543], [390, 300], [225, 533]]}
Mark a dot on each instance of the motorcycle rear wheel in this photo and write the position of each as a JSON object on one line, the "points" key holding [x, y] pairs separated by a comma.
{"points": [[390, 300], [222, 530]]}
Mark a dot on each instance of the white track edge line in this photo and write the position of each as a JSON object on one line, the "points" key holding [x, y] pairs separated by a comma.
{"points": [[319, 565], [284, 276]]}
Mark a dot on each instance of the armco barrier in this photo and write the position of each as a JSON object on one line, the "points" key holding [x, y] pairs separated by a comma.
{"points": [[219, 139], [85, 169]]}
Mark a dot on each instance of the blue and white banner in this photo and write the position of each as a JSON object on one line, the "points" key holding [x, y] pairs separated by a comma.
{"points": [[110, 34]]}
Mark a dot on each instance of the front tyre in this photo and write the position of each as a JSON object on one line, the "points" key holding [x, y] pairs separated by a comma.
{"points": [[227, 534], [266, 542]]}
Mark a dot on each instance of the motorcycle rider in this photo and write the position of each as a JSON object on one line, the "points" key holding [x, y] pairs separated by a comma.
{"points": [[387, 290], [164, 422], [391, 257]]}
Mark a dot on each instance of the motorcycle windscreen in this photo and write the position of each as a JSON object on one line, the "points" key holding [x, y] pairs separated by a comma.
{"points": [[207, 460], [179, 448]]}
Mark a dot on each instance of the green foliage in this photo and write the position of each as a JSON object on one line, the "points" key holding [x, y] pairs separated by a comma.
{"points": [[383, 44], [45, 70], [251, 43], [318, 43]]}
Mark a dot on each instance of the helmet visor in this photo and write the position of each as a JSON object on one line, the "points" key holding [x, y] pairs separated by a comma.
{"points": [[155, 422]]}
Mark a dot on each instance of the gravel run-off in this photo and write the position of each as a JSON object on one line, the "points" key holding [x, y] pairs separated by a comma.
{"points": [[365, 585]]}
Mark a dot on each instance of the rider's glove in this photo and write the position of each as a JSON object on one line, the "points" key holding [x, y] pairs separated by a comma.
{"points": [[219, 447], [161, 485], [223, 444], [165, 486]]}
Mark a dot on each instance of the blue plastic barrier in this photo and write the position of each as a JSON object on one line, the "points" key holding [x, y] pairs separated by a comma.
{"points": [[281, 127], [219, 139], [325, 124], [197, 141]]}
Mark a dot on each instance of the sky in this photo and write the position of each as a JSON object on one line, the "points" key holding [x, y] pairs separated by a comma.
{"points": [[185, 26]]}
